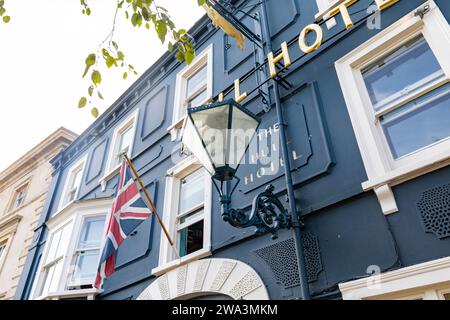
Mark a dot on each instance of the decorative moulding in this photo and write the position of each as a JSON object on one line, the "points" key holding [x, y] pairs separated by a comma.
{"points": [[226, 277]]}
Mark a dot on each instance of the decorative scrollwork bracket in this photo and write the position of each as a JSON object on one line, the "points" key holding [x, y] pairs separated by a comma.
{"points": [[267, 215]]}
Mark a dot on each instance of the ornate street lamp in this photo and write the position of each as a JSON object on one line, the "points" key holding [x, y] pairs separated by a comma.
{"points": [[219, 135]]}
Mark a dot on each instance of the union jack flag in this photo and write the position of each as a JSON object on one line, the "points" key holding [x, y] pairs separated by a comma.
{"points": [[128, 212]]}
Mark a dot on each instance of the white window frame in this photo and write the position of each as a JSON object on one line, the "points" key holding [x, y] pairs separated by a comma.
{"points": [[382, 170], [179, 109], [111, 171], [3, 244], [40, 276], [8, 229], [25, 186], [427, 281], [79, 165], [74, 214], [167, 258], [83, 217]]}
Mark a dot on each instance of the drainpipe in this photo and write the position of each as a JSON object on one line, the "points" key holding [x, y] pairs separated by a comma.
{"points": [[304, 286]]}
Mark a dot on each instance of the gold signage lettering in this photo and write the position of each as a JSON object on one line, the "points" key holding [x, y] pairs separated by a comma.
{"points": [[383, 4], [284, 55], [238, 97], [343, 10], [302, 38]]}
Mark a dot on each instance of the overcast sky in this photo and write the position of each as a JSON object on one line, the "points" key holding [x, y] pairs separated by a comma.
{"points": [[42, 52]]}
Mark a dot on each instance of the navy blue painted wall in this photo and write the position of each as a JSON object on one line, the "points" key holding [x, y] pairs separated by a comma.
{"points": [[352, 231]]}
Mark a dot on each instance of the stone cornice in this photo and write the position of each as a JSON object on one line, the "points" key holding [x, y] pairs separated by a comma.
{"points": [[9, 223], [59, 139]]}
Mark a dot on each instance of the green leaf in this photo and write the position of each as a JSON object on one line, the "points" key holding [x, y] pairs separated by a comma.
{"points": [[125, 75], [82, 103], [96, 77], [90, 60], [189, 56], [2, 11], [134, 19], [88, 11], [161, 30], [94, 112], [6, 19], [110, 61], [180, 56], [91, 90], [100, 95], [201, 2]]}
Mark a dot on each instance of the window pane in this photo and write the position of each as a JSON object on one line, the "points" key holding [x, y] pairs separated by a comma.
{"points": [[123, 144], [86, 264], [91, 235], [191, 216], [191, 239], [51, 278], [56, 277], [126, 139], [64, 242], [418, 124], [192, 191], [74, 184], [412, 66], [196, 81], [53, 247], [48, 276], [2, 248], [76, 179], [198, 100]]}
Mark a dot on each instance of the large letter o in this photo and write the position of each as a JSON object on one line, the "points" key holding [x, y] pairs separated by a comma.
{"points": [[302, 38]]}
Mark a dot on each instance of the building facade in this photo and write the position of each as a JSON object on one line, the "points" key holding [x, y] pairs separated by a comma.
{"points": [[366, 100], [23, 190]]}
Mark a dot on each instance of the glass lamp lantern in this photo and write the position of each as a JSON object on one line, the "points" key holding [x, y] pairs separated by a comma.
{"points": [[219, 135]]}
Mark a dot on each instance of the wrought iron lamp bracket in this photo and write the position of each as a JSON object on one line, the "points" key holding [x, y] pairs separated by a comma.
{"points": [[267, 215]]}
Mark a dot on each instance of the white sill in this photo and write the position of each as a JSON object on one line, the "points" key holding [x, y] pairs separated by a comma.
{"points": [[175, 127], [410, 171], [205, 252], [111, 174], [176, 124], [381, 185], [69, 294]]}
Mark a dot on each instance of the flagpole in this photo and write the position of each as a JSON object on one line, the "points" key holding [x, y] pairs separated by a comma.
{"points": [[152, 205]]}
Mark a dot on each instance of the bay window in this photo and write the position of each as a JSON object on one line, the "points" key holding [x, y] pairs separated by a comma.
{"points": [[71, 255]]}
